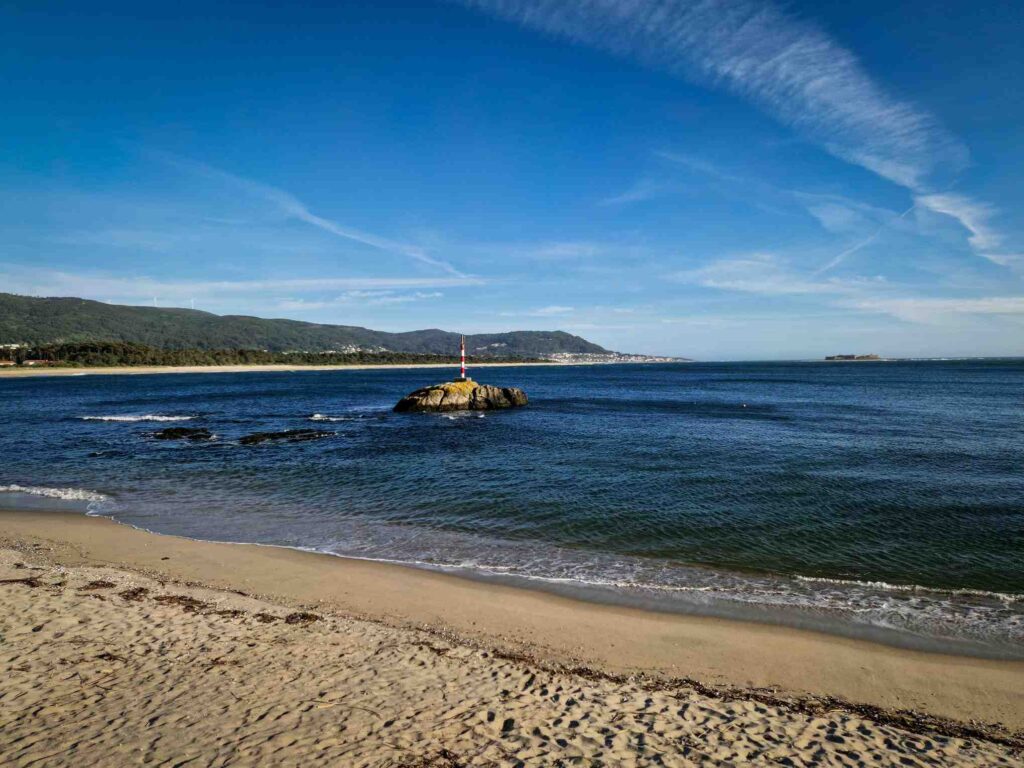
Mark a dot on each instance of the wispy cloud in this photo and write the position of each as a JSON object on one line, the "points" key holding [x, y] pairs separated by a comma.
{"points": [[975, 217], [550, 311], [767, 275], [927, 310], [142, 289], [837, 218], [840, 257], [133, 239], [361, 297], [708, 169], [787, 66], [984, 237], [1013, 260], [557, 250], [842, 215], [290, 206], [791, 69], [754, 191], [645, 189], [837, 214]]}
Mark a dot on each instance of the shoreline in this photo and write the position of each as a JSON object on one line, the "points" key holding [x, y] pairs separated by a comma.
{"points": [[588, 593], [719, 653], [16, 373], [604, 594]]}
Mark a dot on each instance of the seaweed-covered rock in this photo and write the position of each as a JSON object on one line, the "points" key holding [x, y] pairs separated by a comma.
{"points": [[461, 396], [290, 436], [184, 433]]}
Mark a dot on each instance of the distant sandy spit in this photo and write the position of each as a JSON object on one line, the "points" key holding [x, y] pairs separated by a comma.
{"points": [[146, 369], [121, 647]]}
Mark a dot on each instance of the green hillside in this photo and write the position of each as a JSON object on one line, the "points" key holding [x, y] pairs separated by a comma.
{"points": [[36, 321]]}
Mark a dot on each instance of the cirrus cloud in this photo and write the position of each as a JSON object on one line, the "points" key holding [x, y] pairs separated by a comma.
{"points": [[787, 66]]}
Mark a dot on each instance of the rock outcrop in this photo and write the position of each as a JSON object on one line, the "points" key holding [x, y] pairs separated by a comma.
{"points": [[289, 436], [461, 396], [184, 433]]}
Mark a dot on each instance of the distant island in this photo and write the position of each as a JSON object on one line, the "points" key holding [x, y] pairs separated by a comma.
{"points": [[847, 358], [74, 332]]}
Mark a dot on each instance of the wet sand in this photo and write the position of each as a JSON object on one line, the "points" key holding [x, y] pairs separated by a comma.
{"points": [[137, 647]]}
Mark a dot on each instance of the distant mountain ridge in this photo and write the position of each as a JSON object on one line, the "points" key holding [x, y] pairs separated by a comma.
{"points": [[35, 321]]}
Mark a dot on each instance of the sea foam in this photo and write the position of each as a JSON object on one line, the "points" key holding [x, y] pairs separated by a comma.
{"points": [[67, 494], [884, 586], [325, 417]]}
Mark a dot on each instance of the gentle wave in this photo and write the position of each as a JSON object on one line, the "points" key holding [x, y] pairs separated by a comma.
{"points": [[927, 619], [140, 417], [991, 619], [67, 494], [1006, 597], [970, 621], [353, 413], [325, 417]]}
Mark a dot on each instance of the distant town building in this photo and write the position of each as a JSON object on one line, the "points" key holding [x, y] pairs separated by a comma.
{"points": [[609, 357]]}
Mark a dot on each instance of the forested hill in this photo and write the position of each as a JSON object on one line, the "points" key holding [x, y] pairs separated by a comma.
{"points": [[36, 321]]}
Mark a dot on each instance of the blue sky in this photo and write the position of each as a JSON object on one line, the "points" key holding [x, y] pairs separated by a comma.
{"points": [[720, 180]]}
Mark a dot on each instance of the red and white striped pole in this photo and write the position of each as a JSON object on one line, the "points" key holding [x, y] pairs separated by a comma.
{"points": [[462, 352]]}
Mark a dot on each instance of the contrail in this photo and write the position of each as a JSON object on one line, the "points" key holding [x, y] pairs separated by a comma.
{"points": [[838, 259], [291, 206]]}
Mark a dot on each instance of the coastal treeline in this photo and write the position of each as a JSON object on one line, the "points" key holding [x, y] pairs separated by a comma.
{"points": [[33, 321], [119, 354]]}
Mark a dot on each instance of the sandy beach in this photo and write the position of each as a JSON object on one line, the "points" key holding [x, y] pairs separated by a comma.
{"points": [[123, 647], [19, 372]]}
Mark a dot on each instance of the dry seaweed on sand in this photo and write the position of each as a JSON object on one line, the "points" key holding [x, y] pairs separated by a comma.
{"points": [[301, 618], [29, 581], [190, 604], [441, 759], [815, 706], [97, 584], [134, 593]]}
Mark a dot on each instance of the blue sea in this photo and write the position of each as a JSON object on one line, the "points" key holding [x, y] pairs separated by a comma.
{"points": [[882, 500]]}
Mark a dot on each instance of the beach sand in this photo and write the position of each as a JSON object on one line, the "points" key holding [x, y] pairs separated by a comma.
{"points": [[18, 372], [121, 647]]}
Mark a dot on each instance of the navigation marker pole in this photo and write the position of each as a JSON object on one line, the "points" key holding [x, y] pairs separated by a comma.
{"points": [[462, 352]]}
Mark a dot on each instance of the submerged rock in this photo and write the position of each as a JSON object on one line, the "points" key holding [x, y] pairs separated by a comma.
{"points": [[184, 433], [461, 396], [291, 436]]}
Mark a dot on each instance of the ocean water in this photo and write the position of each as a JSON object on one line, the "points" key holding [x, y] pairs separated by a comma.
{"points": [[881, 500]]}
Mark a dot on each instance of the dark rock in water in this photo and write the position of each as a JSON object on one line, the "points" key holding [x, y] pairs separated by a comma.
{"points": [[184, 433], [290, 436], [461, 396]]}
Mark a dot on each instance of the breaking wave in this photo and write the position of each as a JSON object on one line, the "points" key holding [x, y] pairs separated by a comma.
{"points": [[325, 417], [67, 494], [884, 586]]}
